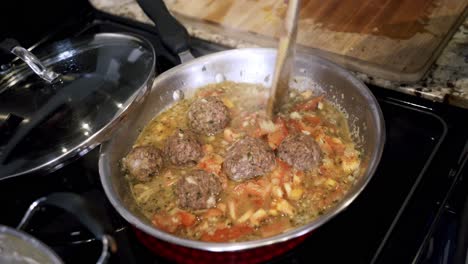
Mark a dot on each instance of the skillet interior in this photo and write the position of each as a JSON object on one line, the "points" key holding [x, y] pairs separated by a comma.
{"points": [[254, 66]]}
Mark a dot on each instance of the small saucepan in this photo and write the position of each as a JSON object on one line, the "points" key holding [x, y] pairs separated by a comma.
{"points": [[19, 247], [254, 65]]}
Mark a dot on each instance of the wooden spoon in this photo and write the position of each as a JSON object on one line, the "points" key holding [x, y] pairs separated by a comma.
{"points": [[279, 91]]}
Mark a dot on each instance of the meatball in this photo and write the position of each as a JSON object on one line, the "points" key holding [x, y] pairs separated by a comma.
{"points": [[198, 190], [143, 162], [300, 151], [248, 158], [183, 149], [208, 115]]}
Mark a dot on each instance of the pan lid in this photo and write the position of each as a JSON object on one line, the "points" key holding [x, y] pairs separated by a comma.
{"points": [[67, 101]]}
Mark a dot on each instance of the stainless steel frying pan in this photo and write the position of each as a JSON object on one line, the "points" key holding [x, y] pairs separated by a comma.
{"points": [[252, 66]]}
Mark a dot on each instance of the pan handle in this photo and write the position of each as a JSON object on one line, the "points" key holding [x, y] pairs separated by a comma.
{"points": [[173, 34], [81, 209]]}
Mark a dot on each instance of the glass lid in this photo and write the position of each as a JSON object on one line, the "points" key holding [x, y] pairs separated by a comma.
{"points": [[95, 79]]}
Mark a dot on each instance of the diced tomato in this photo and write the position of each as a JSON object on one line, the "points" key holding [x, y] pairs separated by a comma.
{"points": [[213, 212], [337, 147], [227, 234], [249, 187], [309, 105], [301, 126], [300, 174], [187, 219], [282, 171], [323, 170], [207, 93], [211, 163], [275, 227], [258, 133], [258, 202], [312, 120], [327, 148], [317, 131], [263, 183], [275, 138], [254, 189], [294, 124], [166, 222], [283, 165]]}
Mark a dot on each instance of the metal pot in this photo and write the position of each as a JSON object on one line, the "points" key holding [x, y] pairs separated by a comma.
{"points": [[253, 66], [18, 247]]}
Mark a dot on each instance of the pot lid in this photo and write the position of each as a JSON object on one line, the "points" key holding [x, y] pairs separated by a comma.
{"points": [[64, 106]]}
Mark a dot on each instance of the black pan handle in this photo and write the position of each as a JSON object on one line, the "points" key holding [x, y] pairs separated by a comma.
{"points": [[173, 34], [84, 211]]}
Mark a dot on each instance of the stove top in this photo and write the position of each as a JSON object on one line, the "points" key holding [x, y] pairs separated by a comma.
{"points": [[411, 211]]}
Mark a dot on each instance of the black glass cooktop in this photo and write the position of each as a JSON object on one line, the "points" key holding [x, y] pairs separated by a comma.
{"points": [[393, 221]]}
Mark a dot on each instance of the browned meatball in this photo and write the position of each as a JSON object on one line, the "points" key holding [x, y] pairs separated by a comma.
{"points": [[183, 149], [248, 158], [300, 151], [198, 190], [208, 115], [143, 162]]}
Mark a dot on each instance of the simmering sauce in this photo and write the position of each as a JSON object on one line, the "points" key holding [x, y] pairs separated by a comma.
{"points": [[281, 199]]}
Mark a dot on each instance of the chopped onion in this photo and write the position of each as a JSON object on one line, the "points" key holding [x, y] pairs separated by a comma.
{"points": [[267, 126], [295, 115]]}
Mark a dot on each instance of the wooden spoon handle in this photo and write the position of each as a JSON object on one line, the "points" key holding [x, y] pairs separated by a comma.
{"points": [[284, 60]]}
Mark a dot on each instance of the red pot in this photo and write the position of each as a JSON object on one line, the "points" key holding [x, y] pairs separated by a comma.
{"points": [[180, 254]]}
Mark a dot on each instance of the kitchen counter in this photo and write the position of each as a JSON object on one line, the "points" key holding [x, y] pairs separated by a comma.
{"points": [[446, 81]]}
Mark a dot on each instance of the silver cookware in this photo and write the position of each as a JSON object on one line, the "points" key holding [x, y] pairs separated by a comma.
{"points": [[254, 65]]}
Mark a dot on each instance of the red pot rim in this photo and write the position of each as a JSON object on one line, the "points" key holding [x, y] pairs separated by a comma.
{"points": [[181, 254]]}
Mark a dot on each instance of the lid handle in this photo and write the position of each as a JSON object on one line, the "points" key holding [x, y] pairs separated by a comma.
{"points": [[13, 46]]}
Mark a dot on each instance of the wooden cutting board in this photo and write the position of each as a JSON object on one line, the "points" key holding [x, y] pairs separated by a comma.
{"points": [[393, 39]]}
